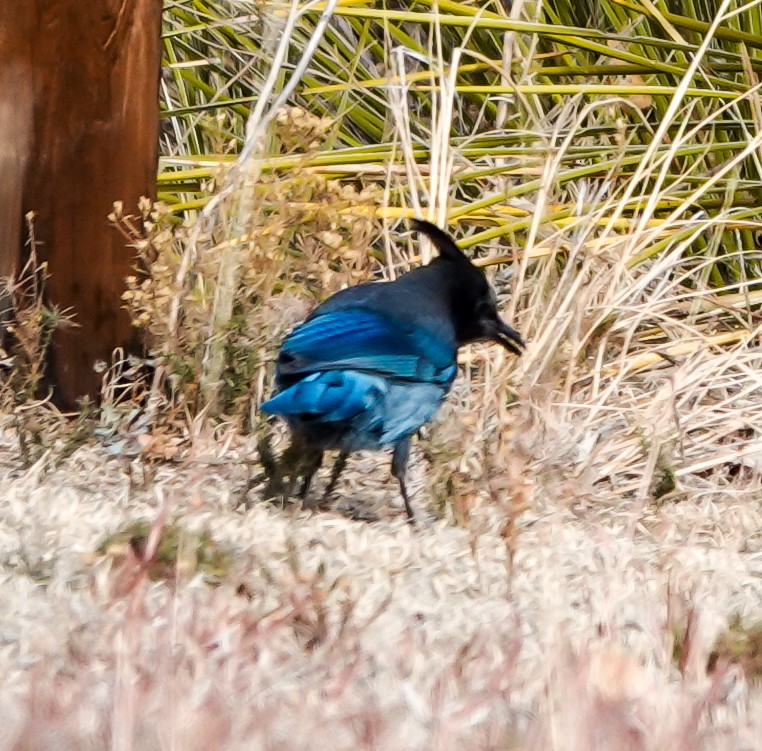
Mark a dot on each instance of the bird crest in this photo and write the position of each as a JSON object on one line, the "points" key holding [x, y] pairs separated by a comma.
{"points": [[441, 240]]}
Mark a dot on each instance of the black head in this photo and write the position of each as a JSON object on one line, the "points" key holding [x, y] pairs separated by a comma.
{"points": [[474, 306]]}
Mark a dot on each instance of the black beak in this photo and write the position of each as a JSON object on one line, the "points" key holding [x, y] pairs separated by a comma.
{"points": [[504, 334]]}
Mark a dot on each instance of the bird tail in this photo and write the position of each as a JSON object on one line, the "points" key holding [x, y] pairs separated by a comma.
{"points": [[442, 241], [330, 396]]}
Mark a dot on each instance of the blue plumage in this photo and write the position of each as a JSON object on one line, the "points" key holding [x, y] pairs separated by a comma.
{"points": [[366, 340], [351, 410], [374, 362]]}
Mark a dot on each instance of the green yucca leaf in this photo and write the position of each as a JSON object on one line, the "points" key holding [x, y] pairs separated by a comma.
{"points": [[597, 78]]}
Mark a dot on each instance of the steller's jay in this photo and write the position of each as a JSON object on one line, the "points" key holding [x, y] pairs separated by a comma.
{"points": [[374, 362]]}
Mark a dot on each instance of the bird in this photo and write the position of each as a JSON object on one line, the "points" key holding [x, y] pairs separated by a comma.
{"points": [[374, 362]]}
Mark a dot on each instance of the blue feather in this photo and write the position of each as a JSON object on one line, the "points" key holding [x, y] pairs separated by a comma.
{"points": [[333, 396], [356, 378], [358, 410], [364, 340]]}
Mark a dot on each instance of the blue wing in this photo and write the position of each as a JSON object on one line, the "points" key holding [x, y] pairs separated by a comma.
{"points": [[359, 339], [353, 410], [353, 378]]}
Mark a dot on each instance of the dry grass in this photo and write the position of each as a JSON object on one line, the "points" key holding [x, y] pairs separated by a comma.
{"points": [[212, 296], [577, 604], [595, 506], [332, 632]]}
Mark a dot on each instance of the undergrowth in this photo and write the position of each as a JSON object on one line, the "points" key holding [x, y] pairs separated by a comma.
{"points": [[26, 332], [170, 553], [304, 236]]}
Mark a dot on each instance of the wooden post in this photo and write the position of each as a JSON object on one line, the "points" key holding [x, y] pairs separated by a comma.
{"points": [[79, 129]]}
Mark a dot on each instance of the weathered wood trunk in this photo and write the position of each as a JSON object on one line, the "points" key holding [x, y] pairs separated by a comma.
{"points": [[79, 127]]}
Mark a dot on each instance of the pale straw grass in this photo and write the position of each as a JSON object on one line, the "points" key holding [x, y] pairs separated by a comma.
{"points": [[607, 494], [331, 633]]}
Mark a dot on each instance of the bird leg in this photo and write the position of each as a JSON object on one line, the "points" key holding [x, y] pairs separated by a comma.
{"points": [[399, 467], [311, 466], [338, 468], [271, 471], [298, 459], [289, 466]]}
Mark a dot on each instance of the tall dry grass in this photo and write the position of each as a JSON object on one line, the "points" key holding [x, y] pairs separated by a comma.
{"points": [[594, 506]]}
